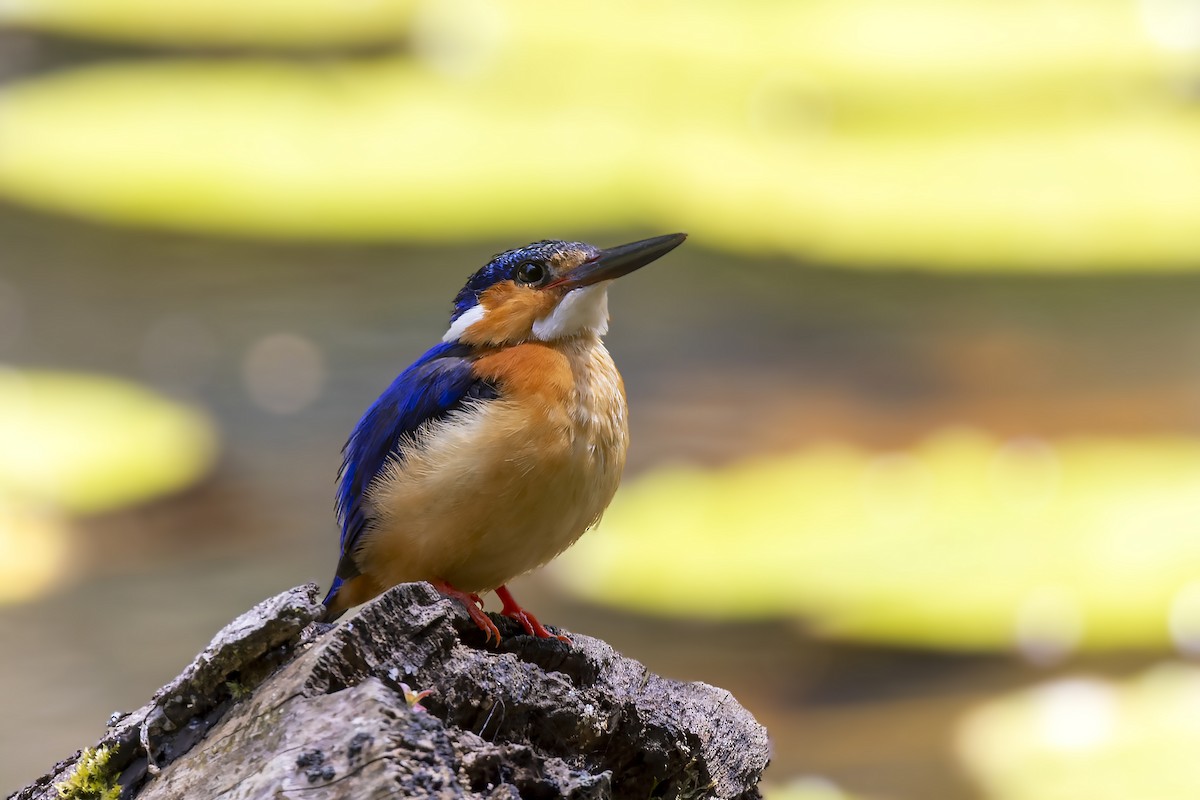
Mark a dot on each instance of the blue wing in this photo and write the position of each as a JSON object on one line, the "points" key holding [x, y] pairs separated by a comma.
{"points": [[436, 384]]}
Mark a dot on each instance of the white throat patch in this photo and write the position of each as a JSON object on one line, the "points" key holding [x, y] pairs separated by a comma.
{"points": [[581, 310], [465, 320]]}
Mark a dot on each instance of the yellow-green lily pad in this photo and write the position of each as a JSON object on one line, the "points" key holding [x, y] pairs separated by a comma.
{"points": [[279, 23], [961, 542], [368, 151], [1090, 738], [89, 443], [916, 138]]}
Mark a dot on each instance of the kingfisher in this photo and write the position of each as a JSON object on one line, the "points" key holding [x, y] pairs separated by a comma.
{"points": [[501, 445]]}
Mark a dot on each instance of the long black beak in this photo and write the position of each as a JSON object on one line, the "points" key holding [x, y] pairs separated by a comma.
{"points": [[617, 261]]}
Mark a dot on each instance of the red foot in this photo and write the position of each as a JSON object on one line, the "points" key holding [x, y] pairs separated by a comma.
{"points": [[474, 606], [528, 621]]}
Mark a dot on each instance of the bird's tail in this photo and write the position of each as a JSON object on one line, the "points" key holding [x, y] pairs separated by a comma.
{"points": [[347, 593], [333, 609]]}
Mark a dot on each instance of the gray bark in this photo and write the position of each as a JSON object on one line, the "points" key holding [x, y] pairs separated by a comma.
{"points": [[279, 706]]}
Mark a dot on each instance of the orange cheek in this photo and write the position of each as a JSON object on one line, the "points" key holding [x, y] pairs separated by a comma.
{"points": [[510, 312]]}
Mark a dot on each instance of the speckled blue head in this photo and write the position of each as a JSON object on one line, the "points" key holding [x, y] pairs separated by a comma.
{"points": [[548, 254], [546, 291]]}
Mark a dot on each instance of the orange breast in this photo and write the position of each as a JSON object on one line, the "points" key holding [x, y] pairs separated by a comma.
{"points": [[508, 484], [533, 371]]}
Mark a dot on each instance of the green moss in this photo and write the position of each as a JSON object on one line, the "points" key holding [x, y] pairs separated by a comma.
{"points": [[238, 690], [92, 778]]}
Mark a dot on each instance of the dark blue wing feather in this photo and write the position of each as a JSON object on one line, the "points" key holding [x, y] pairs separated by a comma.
{"points": [[436, 384]]}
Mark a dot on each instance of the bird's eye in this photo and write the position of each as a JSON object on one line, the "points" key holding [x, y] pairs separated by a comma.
{"points": [[530, 272]]}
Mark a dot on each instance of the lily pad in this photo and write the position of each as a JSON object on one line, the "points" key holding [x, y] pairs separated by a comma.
{"points": [[963, 542], [89, 443], [218, 22], [1088, 737], [347, 151], [935, 144]]}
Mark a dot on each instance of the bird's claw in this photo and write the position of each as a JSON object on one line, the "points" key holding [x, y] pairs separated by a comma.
{"points": [[473, 603], [528, 621], [485, 624], [474, 606]]}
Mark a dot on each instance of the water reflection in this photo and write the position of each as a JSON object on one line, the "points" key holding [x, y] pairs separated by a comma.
{"points": [[284, 373], [179, 354], [12, 317]]}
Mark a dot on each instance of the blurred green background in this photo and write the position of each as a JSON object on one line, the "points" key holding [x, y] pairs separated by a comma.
{"points": [[915, 412]]}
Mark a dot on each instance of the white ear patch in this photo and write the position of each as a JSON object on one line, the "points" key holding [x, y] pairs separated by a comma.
{"points": [[466, 320], [580, 310]]}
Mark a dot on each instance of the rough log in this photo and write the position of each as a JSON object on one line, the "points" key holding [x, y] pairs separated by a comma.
{"points": [[279, 706]]}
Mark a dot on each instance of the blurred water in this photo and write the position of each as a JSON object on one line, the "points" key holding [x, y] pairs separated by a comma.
{"points": [[723, 357]]}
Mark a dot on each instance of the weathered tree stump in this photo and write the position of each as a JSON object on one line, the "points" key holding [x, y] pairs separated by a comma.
{"points": [[280, 706]]}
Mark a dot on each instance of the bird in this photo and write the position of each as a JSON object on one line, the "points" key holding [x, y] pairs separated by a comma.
{"points": [[500, 446]]}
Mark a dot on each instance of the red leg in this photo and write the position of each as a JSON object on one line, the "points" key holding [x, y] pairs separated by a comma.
{"points": [[474, 607], [528, 621]]}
